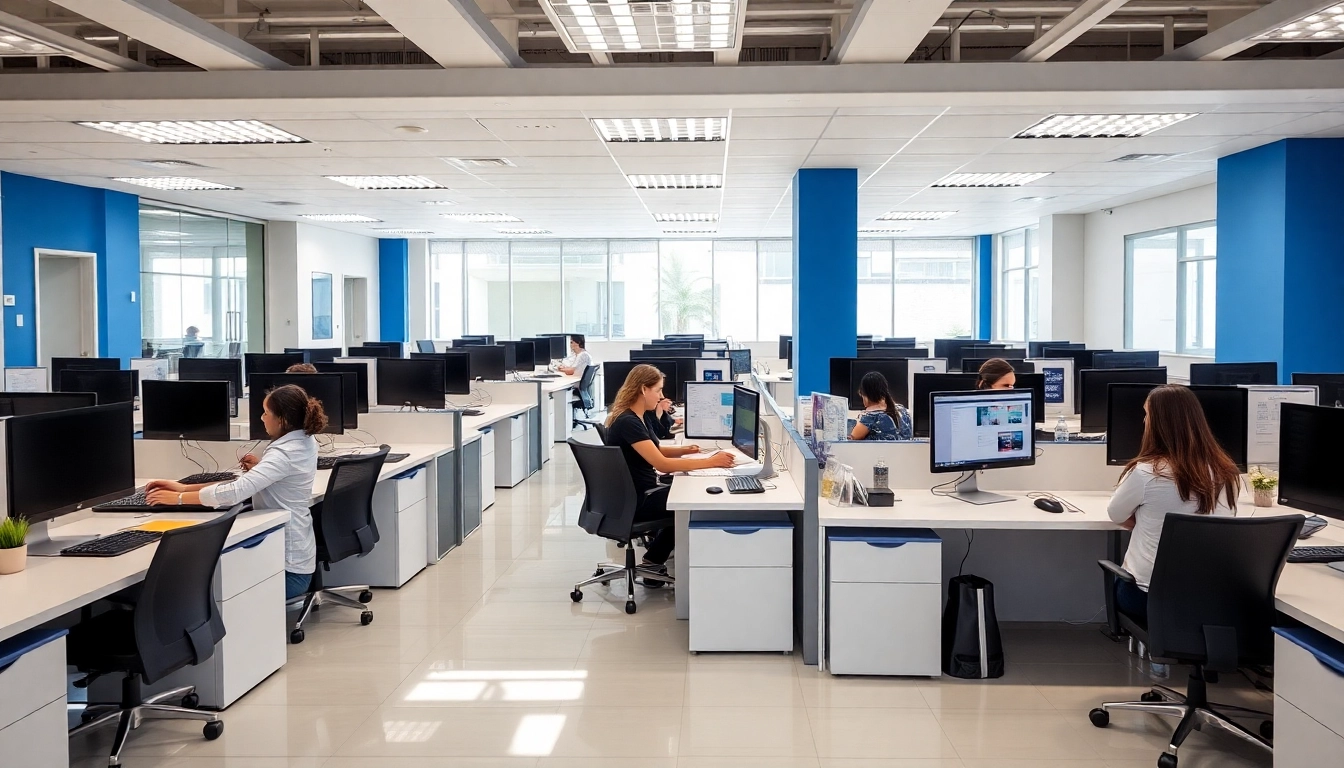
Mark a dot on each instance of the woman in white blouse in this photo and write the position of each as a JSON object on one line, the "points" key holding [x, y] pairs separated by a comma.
{"points": [[1180, 468], [281, 479]]}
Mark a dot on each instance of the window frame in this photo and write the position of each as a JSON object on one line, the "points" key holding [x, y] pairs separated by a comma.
{"points": [[1030, 269], [1184, 261]]}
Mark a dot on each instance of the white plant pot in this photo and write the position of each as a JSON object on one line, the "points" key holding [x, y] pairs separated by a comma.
{"points": [[13, 560], [1265, 498]]}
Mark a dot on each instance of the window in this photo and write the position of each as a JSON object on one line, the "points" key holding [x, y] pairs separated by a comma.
{"points": [[1170, 280], [875, 289], [686, 289], [445, 289], [535, 281], [487, 288], [1019, 258], [920, 288], [634, 289], [735, 289], [774, 295], [585, 276]]}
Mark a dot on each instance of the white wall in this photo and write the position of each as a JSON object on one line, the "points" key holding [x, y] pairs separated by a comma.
{"points": [[293, 253], [1062, 241]]}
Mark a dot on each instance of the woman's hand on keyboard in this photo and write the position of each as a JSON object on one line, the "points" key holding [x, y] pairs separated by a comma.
{"points": [[171, 486], [161, 497]]}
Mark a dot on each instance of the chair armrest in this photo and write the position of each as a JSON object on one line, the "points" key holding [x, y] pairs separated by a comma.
{"points": [[1115, 570], [657, 489]]}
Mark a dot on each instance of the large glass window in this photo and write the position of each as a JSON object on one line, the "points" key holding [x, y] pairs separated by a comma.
{"points": [[634, 289], [585, 288], [1019, 257], [487, 288], [875, 289], [1170, 281], [686, 291], [535, 277], [445, 289], [735, 289], [775, 295]]}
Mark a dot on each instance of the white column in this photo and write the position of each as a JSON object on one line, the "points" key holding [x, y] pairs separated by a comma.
{"points": [[282, 285], [1061, 242], [419, 307]]}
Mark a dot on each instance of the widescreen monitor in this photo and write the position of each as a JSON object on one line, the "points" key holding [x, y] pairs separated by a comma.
{"points": [[1125, 359], [41, 450], [840, 384], [369, 352], [1095, 383], [1329, 387], [614, 374], [1226, 409], [228, 369], [521, 353], [109, 386], [928, 383], [895, 341], [472, 342], [316, 355], [361, 373], [271, 362], [1310, 455], [456, 370], [28, 403], [972, 365], [549, 348], [59, 364], [417, 383], [394, 348], [746, 418], [896, 372], [559, 344], [887, 353], [980, 430], [487, 362], [786, 350], [672, 369], [186, 410], [952, 350], [1037, 348], [1234, 373], [664, 353], [709, 410], [326, 388]]}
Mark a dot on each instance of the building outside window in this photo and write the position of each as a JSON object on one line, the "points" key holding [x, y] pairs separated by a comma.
{"points": [[1170, 284], [1019, 288]]}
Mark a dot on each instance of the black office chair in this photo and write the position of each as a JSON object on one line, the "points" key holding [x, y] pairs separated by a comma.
{"points": [[172, 623], [583, 396], [601, 431], [608, 510], [1210, 605], [344, 526]]}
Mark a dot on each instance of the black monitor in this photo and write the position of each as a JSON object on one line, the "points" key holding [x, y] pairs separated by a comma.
{"points": [[349, 397], [28, 403], [614, 374], [361, 374], [186, 410], [663, 353], [394, 348], [1036, 383], [369, 352], [1095, 384], [928, 383], [992, 350], [786, 349], [951, 349], [59, 364], [895, 341], [488, 362], [984, 429], [1310, 454], [456, 370], [1234, 373], [540, 349], [315, 355], [470, 342], [548, 348], [895, 371], [486, 338], [972, 365], [61, 461], [1329, 387], [840, 383], [270, 362], [326, 388], [741, 359], [659, 344], [424, 345], [416, 383], [1125, 359], [522, 355], [672, 369], [1037, 348], [862, 343], [1226, 409], [109, 386], [228, 369], [888, 353], [746, 416], [691, 336], [1082, 358]]}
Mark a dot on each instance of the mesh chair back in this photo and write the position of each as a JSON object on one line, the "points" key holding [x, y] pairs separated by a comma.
{"points": [[609, 500], [601, 431], [176, 622], [1211, 599], [344, 519], [586, 386]]}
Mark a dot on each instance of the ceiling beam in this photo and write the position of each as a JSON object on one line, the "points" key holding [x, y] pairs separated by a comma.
{"points": [[1068, 29], [885, 31], [1240, 34], [454, 33], [74, 47]]}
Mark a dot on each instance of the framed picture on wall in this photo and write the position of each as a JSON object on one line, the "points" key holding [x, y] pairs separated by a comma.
{"points": [[321, 305]]}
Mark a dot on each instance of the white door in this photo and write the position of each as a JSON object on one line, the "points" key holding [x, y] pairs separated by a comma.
{"points": [[355, 315], [67, 305]]}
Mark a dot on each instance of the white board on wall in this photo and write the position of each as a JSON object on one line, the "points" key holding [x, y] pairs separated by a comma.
{"points": [[1262, 419]]}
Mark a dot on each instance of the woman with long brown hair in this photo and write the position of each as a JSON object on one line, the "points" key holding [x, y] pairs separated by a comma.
{"points": [[1180, 468], [626, 428]]}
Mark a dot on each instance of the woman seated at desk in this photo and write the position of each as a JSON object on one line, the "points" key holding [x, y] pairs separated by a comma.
{"points": [[996, 373], [626, 428], [882, 417], [1180, 468], [660, 421], [281, 479]]}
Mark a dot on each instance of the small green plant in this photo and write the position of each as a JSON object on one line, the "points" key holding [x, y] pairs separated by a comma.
{"points": [[1263, 480], [13, 532]]}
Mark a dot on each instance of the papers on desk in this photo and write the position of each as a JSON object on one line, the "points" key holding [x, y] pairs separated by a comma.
{"points": [[739, 470], [163, 526]]}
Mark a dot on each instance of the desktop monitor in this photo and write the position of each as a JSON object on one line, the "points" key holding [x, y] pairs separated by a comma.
{"points": [[487, 362], [361, 387], [741, 361], [488, 338], [1095, 384], [1310, 454], [614, 374], [1329, 387], [1126, 359], [109, 386], [862, 343], [684, 336], [1082, 358], [746, 415], [1226, 408], [559, 344], [368, 352], [709, 410], [661, 344], [28, 403], [315, 355], [972, 365], [228, 369], [424, 345], [984, 429], [1035, 383], [548, 348], [472, 342], [896, 372], [59, 364], [672, 369], [456, 370], [263, 362], [664, 353], [928, 383], [710, 369], [326, 388], [417, 383], [394, 348], [786, 349], [888, 353], [350, 397], [186, 410], [1234, 373], [1037, 348], [840, 383], [988, 351], [895, 341], [61, 461], [951, 349], [716, 345], [522, 356]]}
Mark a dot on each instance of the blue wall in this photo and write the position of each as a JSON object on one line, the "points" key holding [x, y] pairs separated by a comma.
{"points": [[825, 273], [984, 286], [394, 295], [37, 213]]}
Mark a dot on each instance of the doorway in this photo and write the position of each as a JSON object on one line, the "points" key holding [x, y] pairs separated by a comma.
{"points": [[65, 314], [355, 311]]}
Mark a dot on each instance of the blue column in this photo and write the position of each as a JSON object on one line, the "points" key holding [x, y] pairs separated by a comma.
{"points": [[394, 294], [984, 286], [825, 272], [1280, 270], [119, 277]]}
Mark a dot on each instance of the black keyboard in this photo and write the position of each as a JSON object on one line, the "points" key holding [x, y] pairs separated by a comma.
{"points": [[208, 477], [136, 499], [738, 484], [118, 543], [547, 376], [1316, 555], [327, 462], [471, 412]]}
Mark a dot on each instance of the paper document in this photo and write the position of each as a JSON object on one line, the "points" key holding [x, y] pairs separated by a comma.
{"points": [[165, 525], [26, 380]]}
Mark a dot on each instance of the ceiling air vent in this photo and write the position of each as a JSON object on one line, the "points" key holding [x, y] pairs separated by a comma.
{"points": [[480, 162]]}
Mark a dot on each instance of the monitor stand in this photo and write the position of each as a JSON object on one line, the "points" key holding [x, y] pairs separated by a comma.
{"points": [[968, 490], [767, 452], [41, 544]]}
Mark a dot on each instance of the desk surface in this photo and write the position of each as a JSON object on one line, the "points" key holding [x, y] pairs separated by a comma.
{"points": [[50, 587], [419, 454], [920, 508], [688, 493], [551, 386], [494, 413]]}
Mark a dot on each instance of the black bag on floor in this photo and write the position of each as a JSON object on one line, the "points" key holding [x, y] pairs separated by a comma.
{"points": [[972, 647]]}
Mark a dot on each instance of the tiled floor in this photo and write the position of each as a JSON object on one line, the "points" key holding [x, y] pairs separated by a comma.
{"points": [[482, 661]]}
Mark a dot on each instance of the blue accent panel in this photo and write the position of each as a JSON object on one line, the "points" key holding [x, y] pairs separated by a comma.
{"points": [[1328, 651], [825, 273], [394, 290], [882, 536], [252, 541], [119, 277], [984, 286], [1313, 274], [15, 647]]}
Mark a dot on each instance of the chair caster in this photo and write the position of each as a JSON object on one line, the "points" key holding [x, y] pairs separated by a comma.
{"points": [[213, 730], [1267, 730], [598, 572], [191, 701], [576, 595], [366, 618], [295, 636], [1099, 717], [630, 606], [366, 596], [1151, 697], [1166, 760]]}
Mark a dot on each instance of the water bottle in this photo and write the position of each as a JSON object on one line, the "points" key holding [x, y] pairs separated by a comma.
{"points": [[880, 474], [1061, 431]]}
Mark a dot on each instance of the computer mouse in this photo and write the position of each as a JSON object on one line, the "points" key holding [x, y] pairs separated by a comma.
{"points": [[1050, 505], [714, 489]]}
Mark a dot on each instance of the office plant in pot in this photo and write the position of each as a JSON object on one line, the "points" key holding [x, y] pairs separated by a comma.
{"points": [[1264, 483], [13, 544]]}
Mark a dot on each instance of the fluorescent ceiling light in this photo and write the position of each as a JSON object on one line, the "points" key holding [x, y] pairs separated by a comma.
{"points": [[394, 231], [172, 183], [1142, 158], [690, 231], [988, 179], [340, 218], [1325, 24], [14, 44], [675, 180], [1102, 126], [1033, 199], [523, 231], [172, 164], [199, 132], [387, 182], [440, 202], [486, 218], [479, 162], [685, 217], [605, 25], [882, 230], [915, 215], [662, 128]]}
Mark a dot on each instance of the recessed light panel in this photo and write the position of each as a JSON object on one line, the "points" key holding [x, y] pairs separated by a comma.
{"points": [[676, 180], [479, 162], [915, 215], [199, 132], [883, 230], [690, 231], [394, 231], [1102, 126], [484, 218], [440, 202], [523, 231], [988, 179], [1033, 199], [1142, 158], [14, 44], [617, 129], [1327, 24], [685, 217], [172, 183], [387, 182], [619, 25], [341, 218]]}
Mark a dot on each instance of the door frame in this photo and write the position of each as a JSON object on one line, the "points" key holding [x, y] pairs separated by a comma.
{"points": [[88, 289]]}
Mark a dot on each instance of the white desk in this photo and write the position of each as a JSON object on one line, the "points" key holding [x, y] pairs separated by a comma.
{"points": [[780, 386], [558, 420]]}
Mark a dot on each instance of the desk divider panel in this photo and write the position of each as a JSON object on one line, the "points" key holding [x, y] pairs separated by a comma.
{"points": [[1059, 467]]}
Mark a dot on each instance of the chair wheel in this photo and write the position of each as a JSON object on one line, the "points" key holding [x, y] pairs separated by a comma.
{"points": [[1099, 717], [1166, 760], [630, 606], [366, 596], [1267, 730], [606, 583], [85, 716], [191, 701], [366, 618], [576, 595], [296, 636], [213, 730], [1151, 697], [598, 572]]}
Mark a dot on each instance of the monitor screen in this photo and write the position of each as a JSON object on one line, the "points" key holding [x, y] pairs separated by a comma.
{"points": [[522, 355], [670, 368], [1095, 383], [412, 382], [59, 364], [746, 414], [1226, 409], [28, 403], [262, 362], [316, 355], [741, 359], [988, 351], [1329, 387], [1035, 383], [1124, 421], [327, 388], [664, 353], [1310, 453], [487, 362], [896, 372], [1234, 373], [212, 369], [972, 365], [895, 341], [472, 342], [186, 410], [786, 349], [1037, 348], [1127, 359], [61, 461], [614, 374], [709, 410], [928, 383], [951, 349], [548, 348], [368, 352], [986, 429], [394, 348], [712, 369], [456, 367], [109, 386], [840, 383], [361, 373]]}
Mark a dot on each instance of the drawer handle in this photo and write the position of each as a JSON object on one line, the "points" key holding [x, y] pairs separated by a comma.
{"points": [[253, 542], [885, 544], [1310, 641], [740, 531]]}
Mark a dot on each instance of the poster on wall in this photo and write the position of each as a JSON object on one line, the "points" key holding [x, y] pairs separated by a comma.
{"points": [[26, 379]]}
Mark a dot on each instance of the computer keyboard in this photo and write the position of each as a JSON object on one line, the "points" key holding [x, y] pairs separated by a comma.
{"points": [[547, 376], [744, 485], [118, 543], [327, 462], [136, 499], [1316, 555], [208, 477], [472, 412]]}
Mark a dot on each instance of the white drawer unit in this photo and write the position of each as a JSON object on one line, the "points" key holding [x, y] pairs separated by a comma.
{"points": [[741, 580], [401, 512], [563, 415], [511, 451], [40, 740], [487, 469], [884, 601], [1308, 699], [32, 700], [548, 408]]}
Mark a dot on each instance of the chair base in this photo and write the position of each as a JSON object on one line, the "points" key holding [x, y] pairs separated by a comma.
{"points": [[134, 710], [628, 571], [311, 601]]}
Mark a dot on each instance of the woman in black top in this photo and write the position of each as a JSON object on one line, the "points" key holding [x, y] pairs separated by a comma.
{"points": [[626, 428]]}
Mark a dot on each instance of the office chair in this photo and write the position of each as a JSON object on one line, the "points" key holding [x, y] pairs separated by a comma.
{"points": [[608, 510], [344, 525], [424, 345], [1210, 605], [171, 623], [583, 395]]}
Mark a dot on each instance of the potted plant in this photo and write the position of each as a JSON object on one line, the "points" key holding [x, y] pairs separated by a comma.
{"points": [[1263, 485], [13, 544]]}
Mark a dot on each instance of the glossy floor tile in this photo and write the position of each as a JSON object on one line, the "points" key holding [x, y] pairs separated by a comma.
{"points": [[482, 661]]}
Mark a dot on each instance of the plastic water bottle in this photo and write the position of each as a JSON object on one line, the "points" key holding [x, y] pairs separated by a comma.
{"points": [[880, 474], [1061, 431]]}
